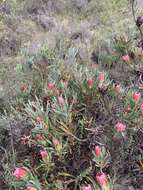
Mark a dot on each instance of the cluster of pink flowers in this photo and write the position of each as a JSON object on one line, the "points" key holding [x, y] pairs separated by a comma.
{"points": [[101, 179], [22, 174], [55, 89], [136, 97], [101, 78], [52, 88]]}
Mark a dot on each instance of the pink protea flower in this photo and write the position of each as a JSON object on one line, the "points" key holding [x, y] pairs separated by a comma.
{"points": [[87, 187], [44, 154], [39, 120], [90, 83], [20, 173], [97, 151], [136, 96], [51, 86], [101, 179], [120, 127], [56, 142], [126, 58], [101, 77], [61, 100], [141, 108], [31, 188]]}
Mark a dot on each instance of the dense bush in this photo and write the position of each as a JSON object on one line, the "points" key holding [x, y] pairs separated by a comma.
{"points": [[73, 119]]}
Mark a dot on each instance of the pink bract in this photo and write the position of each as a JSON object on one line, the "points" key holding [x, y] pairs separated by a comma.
{"points": [[20, 173]]}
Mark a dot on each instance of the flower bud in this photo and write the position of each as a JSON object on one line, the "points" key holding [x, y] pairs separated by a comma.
{"points": [[44, 155], [126, 58], [20, 173], [120, 127], [87, 187], [56, 142], [102, 180], [101, 77], [31, 188], [90, 83], [51, 86], [136, 96], [58, 145], [97, 151]]}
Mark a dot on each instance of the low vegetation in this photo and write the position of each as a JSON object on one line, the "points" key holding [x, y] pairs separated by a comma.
{"points": [[71, 87]]}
